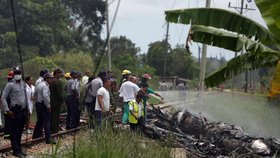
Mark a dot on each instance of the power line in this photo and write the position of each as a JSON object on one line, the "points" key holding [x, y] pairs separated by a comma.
{"points": [[173, 5], [115, 15]]}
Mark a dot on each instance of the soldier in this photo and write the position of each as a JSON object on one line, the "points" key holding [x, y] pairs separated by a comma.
{"points": [[56, 90], [43, 110], [17, 111]]}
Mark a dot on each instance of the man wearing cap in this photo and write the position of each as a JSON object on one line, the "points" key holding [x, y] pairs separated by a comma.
{"points": [[17, 111], [67, 76], [41, 77], [125, 75], [72, 96], [56, 90], [7, 126], [128, 92], [145, 87], [43, 110]]}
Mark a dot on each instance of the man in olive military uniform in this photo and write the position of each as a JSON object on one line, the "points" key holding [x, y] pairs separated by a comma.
{"points": [[17, 111], [56, 90]]}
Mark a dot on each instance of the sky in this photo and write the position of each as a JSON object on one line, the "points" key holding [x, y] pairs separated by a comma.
{"points": [[143, 22]]}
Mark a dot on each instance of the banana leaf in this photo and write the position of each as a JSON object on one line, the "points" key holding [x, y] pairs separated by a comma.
{"points": [[224, 39], [270, 12], [222, 19], [241, 63]]}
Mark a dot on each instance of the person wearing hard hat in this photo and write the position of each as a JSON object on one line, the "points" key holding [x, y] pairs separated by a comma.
{"points": [[67, 76], [125, 74], [72, 96]]}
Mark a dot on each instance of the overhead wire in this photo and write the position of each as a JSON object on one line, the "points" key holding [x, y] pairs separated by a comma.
{"points": [[183, 28], [115, 15]]}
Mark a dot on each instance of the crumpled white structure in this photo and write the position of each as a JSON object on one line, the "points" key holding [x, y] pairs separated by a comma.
{"points": [[258, 146]]}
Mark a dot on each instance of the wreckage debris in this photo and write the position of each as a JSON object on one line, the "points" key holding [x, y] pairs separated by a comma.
{"points": [[204, 139]]}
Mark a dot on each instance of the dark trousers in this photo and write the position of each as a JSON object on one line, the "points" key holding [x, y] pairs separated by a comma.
{"points": [[17, 121], [43, 121], [103, 119], [7, 125], [91, 113], [55, 113], [139, 126], [73, 112]]}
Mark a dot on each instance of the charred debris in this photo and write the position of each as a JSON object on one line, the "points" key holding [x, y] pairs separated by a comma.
{"points": [[204, 139]]}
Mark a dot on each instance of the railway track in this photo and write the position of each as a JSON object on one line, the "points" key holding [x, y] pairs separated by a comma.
{"points": [[28, 142]]}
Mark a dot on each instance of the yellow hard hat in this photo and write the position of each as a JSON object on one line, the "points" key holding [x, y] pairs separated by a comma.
{"points": [[67, 75], [125, 72]]}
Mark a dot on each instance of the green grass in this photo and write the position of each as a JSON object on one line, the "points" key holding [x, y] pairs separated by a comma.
{"points": [[108, 143]]}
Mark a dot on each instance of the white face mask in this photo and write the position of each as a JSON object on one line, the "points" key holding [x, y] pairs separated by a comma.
{"points": [[17, 77]]}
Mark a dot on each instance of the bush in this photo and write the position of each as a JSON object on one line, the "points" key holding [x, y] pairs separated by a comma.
{"points": [[108, 143], [73, 61]]}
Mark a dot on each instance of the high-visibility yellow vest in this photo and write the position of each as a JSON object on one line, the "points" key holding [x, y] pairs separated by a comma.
{"points": [[131, 118]]}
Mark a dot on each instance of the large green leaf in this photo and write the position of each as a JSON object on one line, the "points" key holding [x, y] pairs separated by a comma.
{"points": [[270, 12], [220, 18], [241, 63], [224, 39]]}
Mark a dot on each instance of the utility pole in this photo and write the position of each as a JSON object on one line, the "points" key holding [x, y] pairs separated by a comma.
{"points": [[199, 50], [203, 59], [108, 36], [241, 11], [167, 47]]}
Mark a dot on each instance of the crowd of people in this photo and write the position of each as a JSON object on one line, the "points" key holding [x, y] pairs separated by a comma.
{"points": [[101, 97]]}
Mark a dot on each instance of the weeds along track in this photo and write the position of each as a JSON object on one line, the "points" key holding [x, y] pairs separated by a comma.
{"points": [[28, 142]]}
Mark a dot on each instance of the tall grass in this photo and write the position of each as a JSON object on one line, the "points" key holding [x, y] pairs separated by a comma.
{"points": [[108, 143]]}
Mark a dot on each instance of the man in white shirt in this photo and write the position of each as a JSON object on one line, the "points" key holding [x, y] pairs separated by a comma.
{"points": [[102, 105], [128, 92], [85, 78], [30, 89]]}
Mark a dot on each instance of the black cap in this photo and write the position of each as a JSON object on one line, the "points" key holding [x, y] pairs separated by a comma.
{"points": [[73, 72], [102, 74], [47, 75], [56, 71], [43, 72], [17, 70]]}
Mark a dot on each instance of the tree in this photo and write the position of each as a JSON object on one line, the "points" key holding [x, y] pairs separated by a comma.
{"points": [[182, 64], [155, 56], [87, 16], [179, 61], [55, 25], [124, 53]]}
